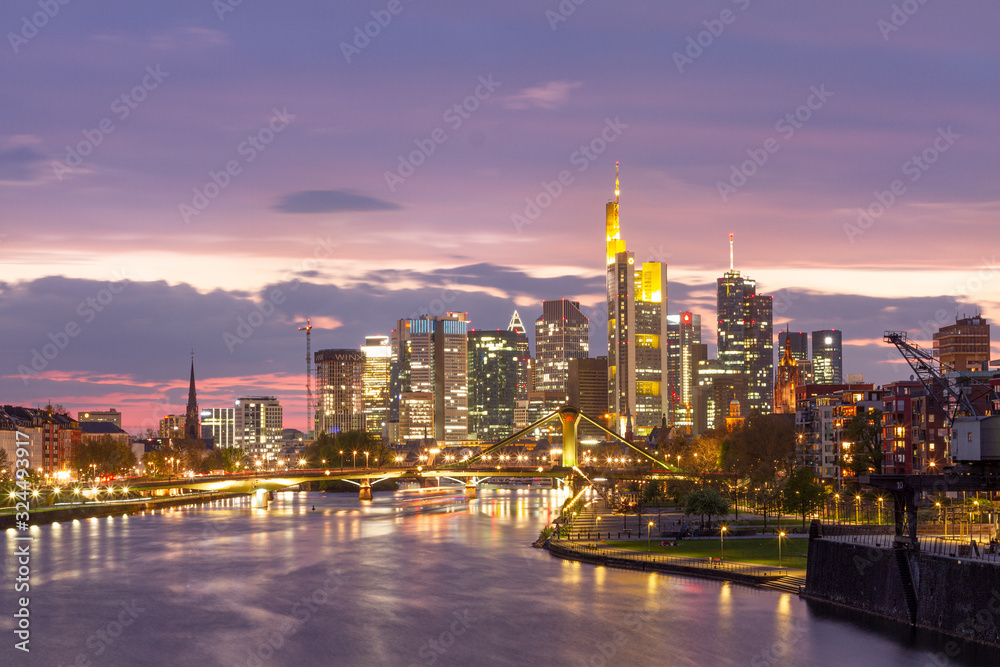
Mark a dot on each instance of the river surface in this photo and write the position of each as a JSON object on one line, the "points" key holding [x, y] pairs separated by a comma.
{"points": [[382, 583]]}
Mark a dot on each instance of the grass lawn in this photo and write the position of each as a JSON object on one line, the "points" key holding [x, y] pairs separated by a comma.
{"points": [[763, 551]]}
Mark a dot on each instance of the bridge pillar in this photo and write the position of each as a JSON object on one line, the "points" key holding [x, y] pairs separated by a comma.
{"points": [[262, 498], [569, 417], [365, 492], [470, 490]]}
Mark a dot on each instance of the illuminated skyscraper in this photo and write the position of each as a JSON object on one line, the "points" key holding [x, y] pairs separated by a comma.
{"points": [[828, 356], [561, 333], [430, 356], [340, 391], [375, 383], [637, 332], [494, 367], [683, 333], [745, 337], [525, 363]]}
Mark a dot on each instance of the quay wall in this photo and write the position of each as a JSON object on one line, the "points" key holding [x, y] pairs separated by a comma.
{"points": [[955, 596]]}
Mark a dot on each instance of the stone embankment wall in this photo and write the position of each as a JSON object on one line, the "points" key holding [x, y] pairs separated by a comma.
{"points": [[957, 596]]}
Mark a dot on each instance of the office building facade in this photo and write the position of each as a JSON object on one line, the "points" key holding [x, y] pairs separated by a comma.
{"points": [[561, 333], [258, 422], [430, 356], [340, 399], [827, 357], [964, 345], [745, 338], [219, 424], [375, 384], [494, 372], [683, 334], [638, 396]]}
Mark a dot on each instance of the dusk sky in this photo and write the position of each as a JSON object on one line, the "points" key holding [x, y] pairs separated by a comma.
{"points": [[167, 169]]}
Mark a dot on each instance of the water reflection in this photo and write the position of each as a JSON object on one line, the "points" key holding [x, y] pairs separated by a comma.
{"points": [[370, 584]]}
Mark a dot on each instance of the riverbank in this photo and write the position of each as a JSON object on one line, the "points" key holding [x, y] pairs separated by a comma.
{"points": [[103, 509], [597, 553]]}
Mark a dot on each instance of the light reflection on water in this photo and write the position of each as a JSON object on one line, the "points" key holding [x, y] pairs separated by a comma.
{"points": [[353, 583]]}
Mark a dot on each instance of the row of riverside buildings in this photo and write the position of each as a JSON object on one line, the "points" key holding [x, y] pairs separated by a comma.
{"points": [[433, 377]]}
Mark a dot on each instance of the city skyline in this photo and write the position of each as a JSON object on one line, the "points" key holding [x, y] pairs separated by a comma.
{"points": [[312, 227]]}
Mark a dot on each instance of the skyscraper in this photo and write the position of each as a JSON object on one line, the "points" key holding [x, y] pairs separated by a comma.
{"points": [[561, 333], [340, 404], [827, 357], [745, 337], [375, 383], [525, 363], [430, 356], [587, 389], [798, 344], [637, 332], [683, 333], [494, 372]]}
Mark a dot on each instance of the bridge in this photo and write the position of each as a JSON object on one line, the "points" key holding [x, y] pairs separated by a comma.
{"points": [[474, 470]]}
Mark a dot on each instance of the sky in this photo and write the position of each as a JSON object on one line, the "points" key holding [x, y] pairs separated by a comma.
{"points": [[207, 174]]}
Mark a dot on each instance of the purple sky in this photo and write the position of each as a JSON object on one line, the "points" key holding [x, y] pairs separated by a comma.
{"points": [[307, 208]]}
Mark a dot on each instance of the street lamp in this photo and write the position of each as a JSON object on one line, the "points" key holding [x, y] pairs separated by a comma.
{"points": [[649, 535], [780, 535], [722, 542], [354, 459], [836, 506], [857, 509], [367, 454], [341, 460]]}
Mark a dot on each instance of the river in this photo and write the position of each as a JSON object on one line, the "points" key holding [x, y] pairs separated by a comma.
{"points": [[379, 583]]}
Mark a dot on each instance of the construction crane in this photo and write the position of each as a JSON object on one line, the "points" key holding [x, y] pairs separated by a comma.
{"points": [[309, 382], [972, 438]]}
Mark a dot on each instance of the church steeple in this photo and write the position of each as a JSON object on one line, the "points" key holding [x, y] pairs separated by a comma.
{"points": [[192, 427]]}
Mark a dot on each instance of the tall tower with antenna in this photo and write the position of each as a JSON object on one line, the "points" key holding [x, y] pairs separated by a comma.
{"points": [[311, 418]]}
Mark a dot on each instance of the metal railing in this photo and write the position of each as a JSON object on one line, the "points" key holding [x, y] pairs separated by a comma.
{"points": [[705, 563], [959, 548]]}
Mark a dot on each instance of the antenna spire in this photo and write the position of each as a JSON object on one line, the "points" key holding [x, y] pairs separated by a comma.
{"points": [[617, 190], [731, 252]]}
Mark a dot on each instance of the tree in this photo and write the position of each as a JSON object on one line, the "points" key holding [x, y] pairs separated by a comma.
{"points": [[802, 494], [101, 456], [762, 450], [706, 501], [229, 459], [328, 447], [863, 444]]}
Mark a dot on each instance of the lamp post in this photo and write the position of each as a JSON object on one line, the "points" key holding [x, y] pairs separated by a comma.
{"points": [[367, 454], [722, 543], [354, 459], [341, 460], [780, 535], [598, 527], [649, 535]]}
